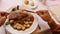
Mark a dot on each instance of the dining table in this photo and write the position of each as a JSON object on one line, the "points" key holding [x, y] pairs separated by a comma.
{"points": [[6, 4]]}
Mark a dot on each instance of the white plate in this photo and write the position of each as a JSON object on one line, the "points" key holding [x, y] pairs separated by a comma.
{"points": [[43, 25], [27, 31], [29, 6]]}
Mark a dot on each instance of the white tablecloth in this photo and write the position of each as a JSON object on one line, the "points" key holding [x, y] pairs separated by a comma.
{"points": [[6, 4]]}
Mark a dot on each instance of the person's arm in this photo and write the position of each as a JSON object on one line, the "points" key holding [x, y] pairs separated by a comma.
{"points": [[44, 14]]}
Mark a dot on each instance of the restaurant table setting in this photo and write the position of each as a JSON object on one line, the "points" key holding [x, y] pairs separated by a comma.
{"points": [[39, 26]]}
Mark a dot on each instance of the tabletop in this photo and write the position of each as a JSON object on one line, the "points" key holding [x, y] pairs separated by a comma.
{"points": [[6, 4]]}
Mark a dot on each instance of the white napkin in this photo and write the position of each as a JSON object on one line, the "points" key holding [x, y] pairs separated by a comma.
{"points": [[2, 30], [54, 7], [52, 2]]}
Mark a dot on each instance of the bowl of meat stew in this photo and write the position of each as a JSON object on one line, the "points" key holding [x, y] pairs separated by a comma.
{"points": [[21, 22]]}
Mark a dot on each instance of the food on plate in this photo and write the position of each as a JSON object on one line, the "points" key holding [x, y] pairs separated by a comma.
{"points": [[15, 8], [21, 9], [18, 8], [3, 16], [26, 2], [55, 28], [31, 3], [20, 20]]}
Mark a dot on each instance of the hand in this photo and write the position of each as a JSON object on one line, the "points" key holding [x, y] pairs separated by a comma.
{"points": [[2, 13], [3, 16], [2, 20], [44, 14]]}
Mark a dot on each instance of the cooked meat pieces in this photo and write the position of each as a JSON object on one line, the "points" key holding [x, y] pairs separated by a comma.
{"points": [[20, 20], [23, 15], [13, 9], [17, 15], [11, 21], [28, 18], [13, 15]]}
